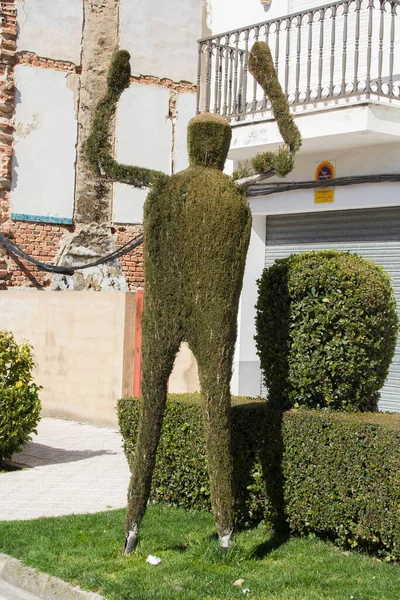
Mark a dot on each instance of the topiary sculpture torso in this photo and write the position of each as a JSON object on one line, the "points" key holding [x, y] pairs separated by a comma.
{"points": [[196, 234]]}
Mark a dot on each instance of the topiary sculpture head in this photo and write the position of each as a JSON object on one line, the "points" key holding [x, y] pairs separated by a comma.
{"points": [[209, 139]]}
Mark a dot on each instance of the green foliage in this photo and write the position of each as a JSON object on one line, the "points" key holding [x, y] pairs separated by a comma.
{"points": [[282, 161], [263, 162], [326, 330], [180, 476], [261, 66], [19, 399], [244, 169], [342, 478], [196, 231], [98, 147], [209, 138], [335, 474]]}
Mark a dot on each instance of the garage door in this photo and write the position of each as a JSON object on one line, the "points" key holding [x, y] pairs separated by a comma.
{"points": [[373, 233]]}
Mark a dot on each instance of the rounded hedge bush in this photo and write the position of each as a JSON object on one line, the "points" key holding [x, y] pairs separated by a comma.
{"points": [[326, 330], [19, 395]]}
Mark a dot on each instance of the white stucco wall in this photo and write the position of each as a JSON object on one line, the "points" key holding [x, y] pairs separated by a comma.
{"points": [[351, 162], [43, 169], [224, 15], [161, 37], [143, 138], [51, 29], [186, 110]]}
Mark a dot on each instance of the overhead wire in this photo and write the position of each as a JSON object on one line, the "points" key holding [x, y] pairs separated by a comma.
{"points": [[15, 250]]}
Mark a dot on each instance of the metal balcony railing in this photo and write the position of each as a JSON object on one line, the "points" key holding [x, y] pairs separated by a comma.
{"points": [[348, 48]]}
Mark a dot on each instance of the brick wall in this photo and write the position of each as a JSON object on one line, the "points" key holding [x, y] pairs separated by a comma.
{"points": [[44, 241]]}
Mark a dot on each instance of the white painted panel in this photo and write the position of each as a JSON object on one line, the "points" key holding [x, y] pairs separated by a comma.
{"points": [[144, 132], [44, 144], [186, 110], [51, 29], [161, 37], [128, 204]]}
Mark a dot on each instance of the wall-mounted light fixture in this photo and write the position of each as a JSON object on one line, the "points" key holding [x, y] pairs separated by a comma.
{"points": [[266, 4]]}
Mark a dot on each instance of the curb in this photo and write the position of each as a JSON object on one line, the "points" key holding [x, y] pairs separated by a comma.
{"points": [[39, 584]]}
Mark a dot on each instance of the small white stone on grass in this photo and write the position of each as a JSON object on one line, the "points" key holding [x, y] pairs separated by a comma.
{"points": [[153, 560], [246, 591], [238, 582]]}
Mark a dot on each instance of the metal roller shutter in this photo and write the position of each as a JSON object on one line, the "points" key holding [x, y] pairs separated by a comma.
{"points": [[373, 233]]}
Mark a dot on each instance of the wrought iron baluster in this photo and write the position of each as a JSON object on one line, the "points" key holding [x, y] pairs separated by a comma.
{"points": [[277, 31], [369, 47], [287, 57], [245, 70], [298, 57], [199, 61], [254, 103], [217, 74], [333, 42], [321, 51], [357, 46], [226, 71], [208, 75], [380, 52], [344, 51], [267, 32], [309, 54], [391, 51], [240, 99], [235, 74], [231, 67]]}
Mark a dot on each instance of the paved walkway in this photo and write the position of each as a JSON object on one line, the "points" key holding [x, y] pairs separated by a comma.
{"points": [[71, 468]]}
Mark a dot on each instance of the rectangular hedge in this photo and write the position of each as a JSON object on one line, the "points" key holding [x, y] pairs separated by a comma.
{"points": [[334, 474]]}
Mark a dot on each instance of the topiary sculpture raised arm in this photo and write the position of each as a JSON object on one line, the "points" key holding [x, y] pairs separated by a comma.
{"points": [[261, 66], [196, 234], [98, 147]]}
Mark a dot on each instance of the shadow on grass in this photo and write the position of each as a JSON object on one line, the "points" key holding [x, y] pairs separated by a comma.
{"points": [[262, 550]]}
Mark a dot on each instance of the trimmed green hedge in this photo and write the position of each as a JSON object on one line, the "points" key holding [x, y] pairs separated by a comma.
{"points": [[180, 477], [326, 330], [342, 478], [334, 474]]}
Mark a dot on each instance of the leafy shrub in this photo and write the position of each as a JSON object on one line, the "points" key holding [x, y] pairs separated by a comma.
{"points": [[326, 330], [342, 478], [334, 474], [180, 477], [19, 400]]}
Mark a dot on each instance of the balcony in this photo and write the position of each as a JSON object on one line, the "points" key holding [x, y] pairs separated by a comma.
{"points": [[342, 55]]}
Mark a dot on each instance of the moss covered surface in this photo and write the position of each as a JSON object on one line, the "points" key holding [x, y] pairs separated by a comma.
{"points": [[196, 231], [98, 148], [261, 66], [209, 138]]}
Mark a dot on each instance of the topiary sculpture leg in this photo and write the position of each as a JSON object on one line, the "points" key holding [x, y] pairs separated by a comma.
{"points": [[215, 376], [160, 345]]}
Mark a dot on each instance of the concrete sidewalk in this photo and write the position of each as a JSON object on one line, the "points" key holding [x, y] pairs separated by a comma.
{"points": [[71, 468]]}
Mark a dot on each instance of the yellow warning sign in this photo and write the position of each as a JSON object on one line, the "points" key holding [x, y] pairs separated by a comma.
{"points": [[323, 196]]}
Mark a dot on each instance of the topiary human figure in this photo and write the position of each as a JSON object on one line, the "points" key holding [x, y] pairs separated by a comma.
{"points": [[196, 230], [196, 234]]}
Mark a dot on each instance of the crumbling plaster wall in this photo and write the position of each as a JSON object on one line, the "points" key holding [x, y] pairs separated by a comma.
{"points": [[68, 46]]}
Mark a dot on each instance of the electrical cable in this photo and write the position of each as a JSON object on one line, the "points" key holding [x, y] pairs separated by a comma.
{"points": [[15, 250], [262, 189]]}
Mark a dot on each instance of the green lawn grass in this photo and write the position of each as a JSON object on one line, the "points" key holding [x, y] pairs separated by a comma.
{"points": [[87, 551]]}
